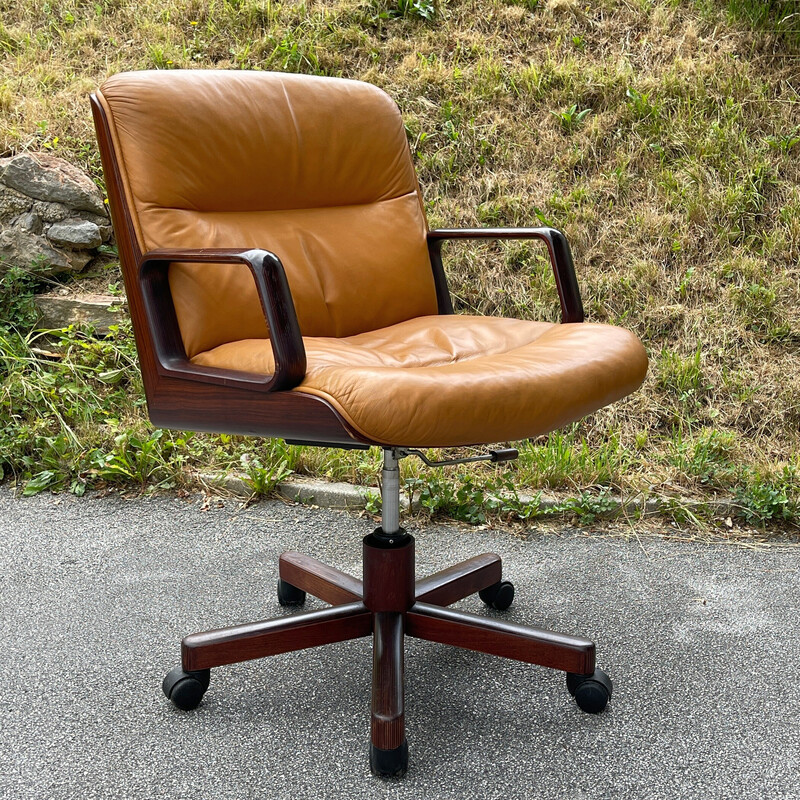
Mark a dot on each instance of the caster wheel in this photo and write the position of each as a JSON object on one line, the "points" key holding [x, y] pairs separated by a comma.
{"points": [[498, 596], [289, 595], [591, 692], [389, 763], [186, 689]]}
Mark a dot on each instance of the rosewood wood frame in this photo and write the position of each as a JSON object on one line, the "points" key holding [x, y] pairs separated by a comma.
{"points": [[557, 246], [387, 603]]}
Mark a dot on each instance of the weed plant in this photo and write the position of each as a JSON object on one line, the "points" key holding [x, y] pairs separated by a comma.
{"points": [[661, 135]]}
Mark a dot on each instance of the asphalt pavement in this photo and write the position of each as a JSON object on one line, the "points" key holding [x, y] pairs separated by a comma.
{"points": [[702, 641]]}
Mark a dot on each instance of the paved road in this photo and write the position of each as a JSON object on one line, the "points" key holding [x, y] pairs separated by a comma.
{"points": [[703, 643]]}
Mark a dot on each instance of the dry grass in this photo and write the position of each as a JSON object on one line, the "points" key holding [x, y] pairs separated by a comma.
{"points": [[679, 189]]}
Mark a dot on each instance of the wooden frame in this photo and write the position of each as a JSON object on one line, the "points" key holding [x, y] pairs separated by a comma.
{"points": [[276, 303], [389, 605], [184, 396], [557, 246]]}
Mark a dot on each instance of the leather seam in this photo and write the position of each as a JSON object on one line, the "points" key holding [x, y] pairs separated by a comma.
{"points": [[150, 206]]}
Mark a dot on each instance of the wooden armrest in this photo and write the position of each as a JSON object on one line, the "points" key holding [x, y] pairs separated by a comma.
{"points": [[560, 257], [276, 303]]}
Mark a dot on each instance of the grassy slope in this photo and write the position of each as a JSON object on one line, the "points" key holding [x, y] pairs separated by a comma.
{"points": [[680, 189]]}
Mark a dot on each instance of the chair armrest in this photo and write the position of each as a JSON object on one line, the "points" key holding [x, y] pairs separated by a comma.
{"points": [[276, 302], [560, 257]]}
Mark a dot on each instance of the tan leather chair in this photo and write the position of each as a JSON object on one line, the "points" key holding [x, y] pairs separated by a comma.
{"points": [[283, 282]]}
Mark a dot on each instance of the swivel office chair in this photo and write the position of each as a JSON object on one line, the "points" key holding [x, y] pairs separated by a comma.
{"points": [[282, 282]]}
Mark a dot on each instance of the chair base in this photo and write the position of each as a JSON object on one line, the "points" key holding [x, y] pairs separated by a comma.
{"points": [[389, 605]]}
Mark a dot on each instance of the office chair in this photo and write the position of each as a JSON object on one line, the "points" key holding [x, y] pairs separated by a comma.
{"points": [[282, 281]]}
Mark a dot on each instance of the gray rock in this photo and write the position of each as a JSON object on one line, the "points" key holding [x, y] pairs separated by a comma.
{"points": [[103, 223], [29, 222], [98, 220], [55, 212], [52, 212], [52, 216], [77, 233], [12, 203], [20, 248], [100, 311], [45, 177]]}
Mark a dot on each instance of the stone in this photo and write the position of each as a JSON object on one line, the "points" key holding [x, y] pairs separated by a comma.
{"points": [[55, 212], [29, 222], [103, 223], [98, 310], [52, 216], [51, 212], [45, 177], [19, 248], [75, 233], [12, 203]]}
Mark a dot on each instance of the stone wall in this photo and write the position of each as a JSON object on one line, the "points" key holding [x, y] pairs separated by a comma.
{"points": [[52, 216]]}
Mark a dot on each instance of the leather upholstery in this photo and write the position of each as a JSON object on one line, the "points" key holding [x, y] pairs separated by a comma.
{"points": [[454, 380], [317, 170]]}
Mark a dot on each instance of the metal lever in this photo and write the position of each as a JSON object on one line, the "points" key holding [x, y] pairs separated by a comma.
{"points": [[495, 456]]}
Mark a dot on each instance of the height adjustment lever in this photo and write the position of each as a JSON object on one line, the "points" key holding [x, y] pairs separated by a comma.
{"points": [[495, 456], [507, 454]]}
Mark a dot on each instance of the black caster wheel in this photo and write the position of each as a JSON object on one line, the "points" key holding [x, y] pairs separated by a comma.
{"points": [[186, 689], [499, 595], [289, 595], [389, 763], [591, 692]]}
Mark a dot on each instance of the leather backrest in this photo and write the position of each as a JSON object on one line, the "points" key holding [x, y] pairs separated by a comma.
{"points": [[317, 170]]}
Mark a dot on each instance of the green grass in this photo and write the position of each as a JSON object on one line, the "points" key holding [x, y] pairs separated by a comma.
{"points": [[662, 135]]}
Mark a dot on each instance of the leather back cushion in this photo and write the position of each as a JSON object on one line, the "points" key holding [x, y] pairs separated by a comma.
{"points": [[317, 170]]}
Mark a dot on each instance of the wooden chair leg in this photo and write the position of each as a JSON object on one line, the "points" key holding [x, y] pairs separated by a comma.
{"points": [[389, 750], [388, 593], [327, 583], [500, 638], [258, 639], [388, 718], [461, 580]]}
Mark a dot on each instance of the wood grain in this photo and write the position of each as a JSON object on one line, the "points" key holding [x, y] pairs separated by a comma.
{"points": [[327, 583], [501, 638], [270, 637], [388, 704], [388, 575], [459, 581]]}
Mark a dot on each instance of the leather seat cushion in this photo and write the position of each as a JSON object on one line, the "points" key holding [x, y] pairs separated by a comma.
{"points": [[442, 381]]}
